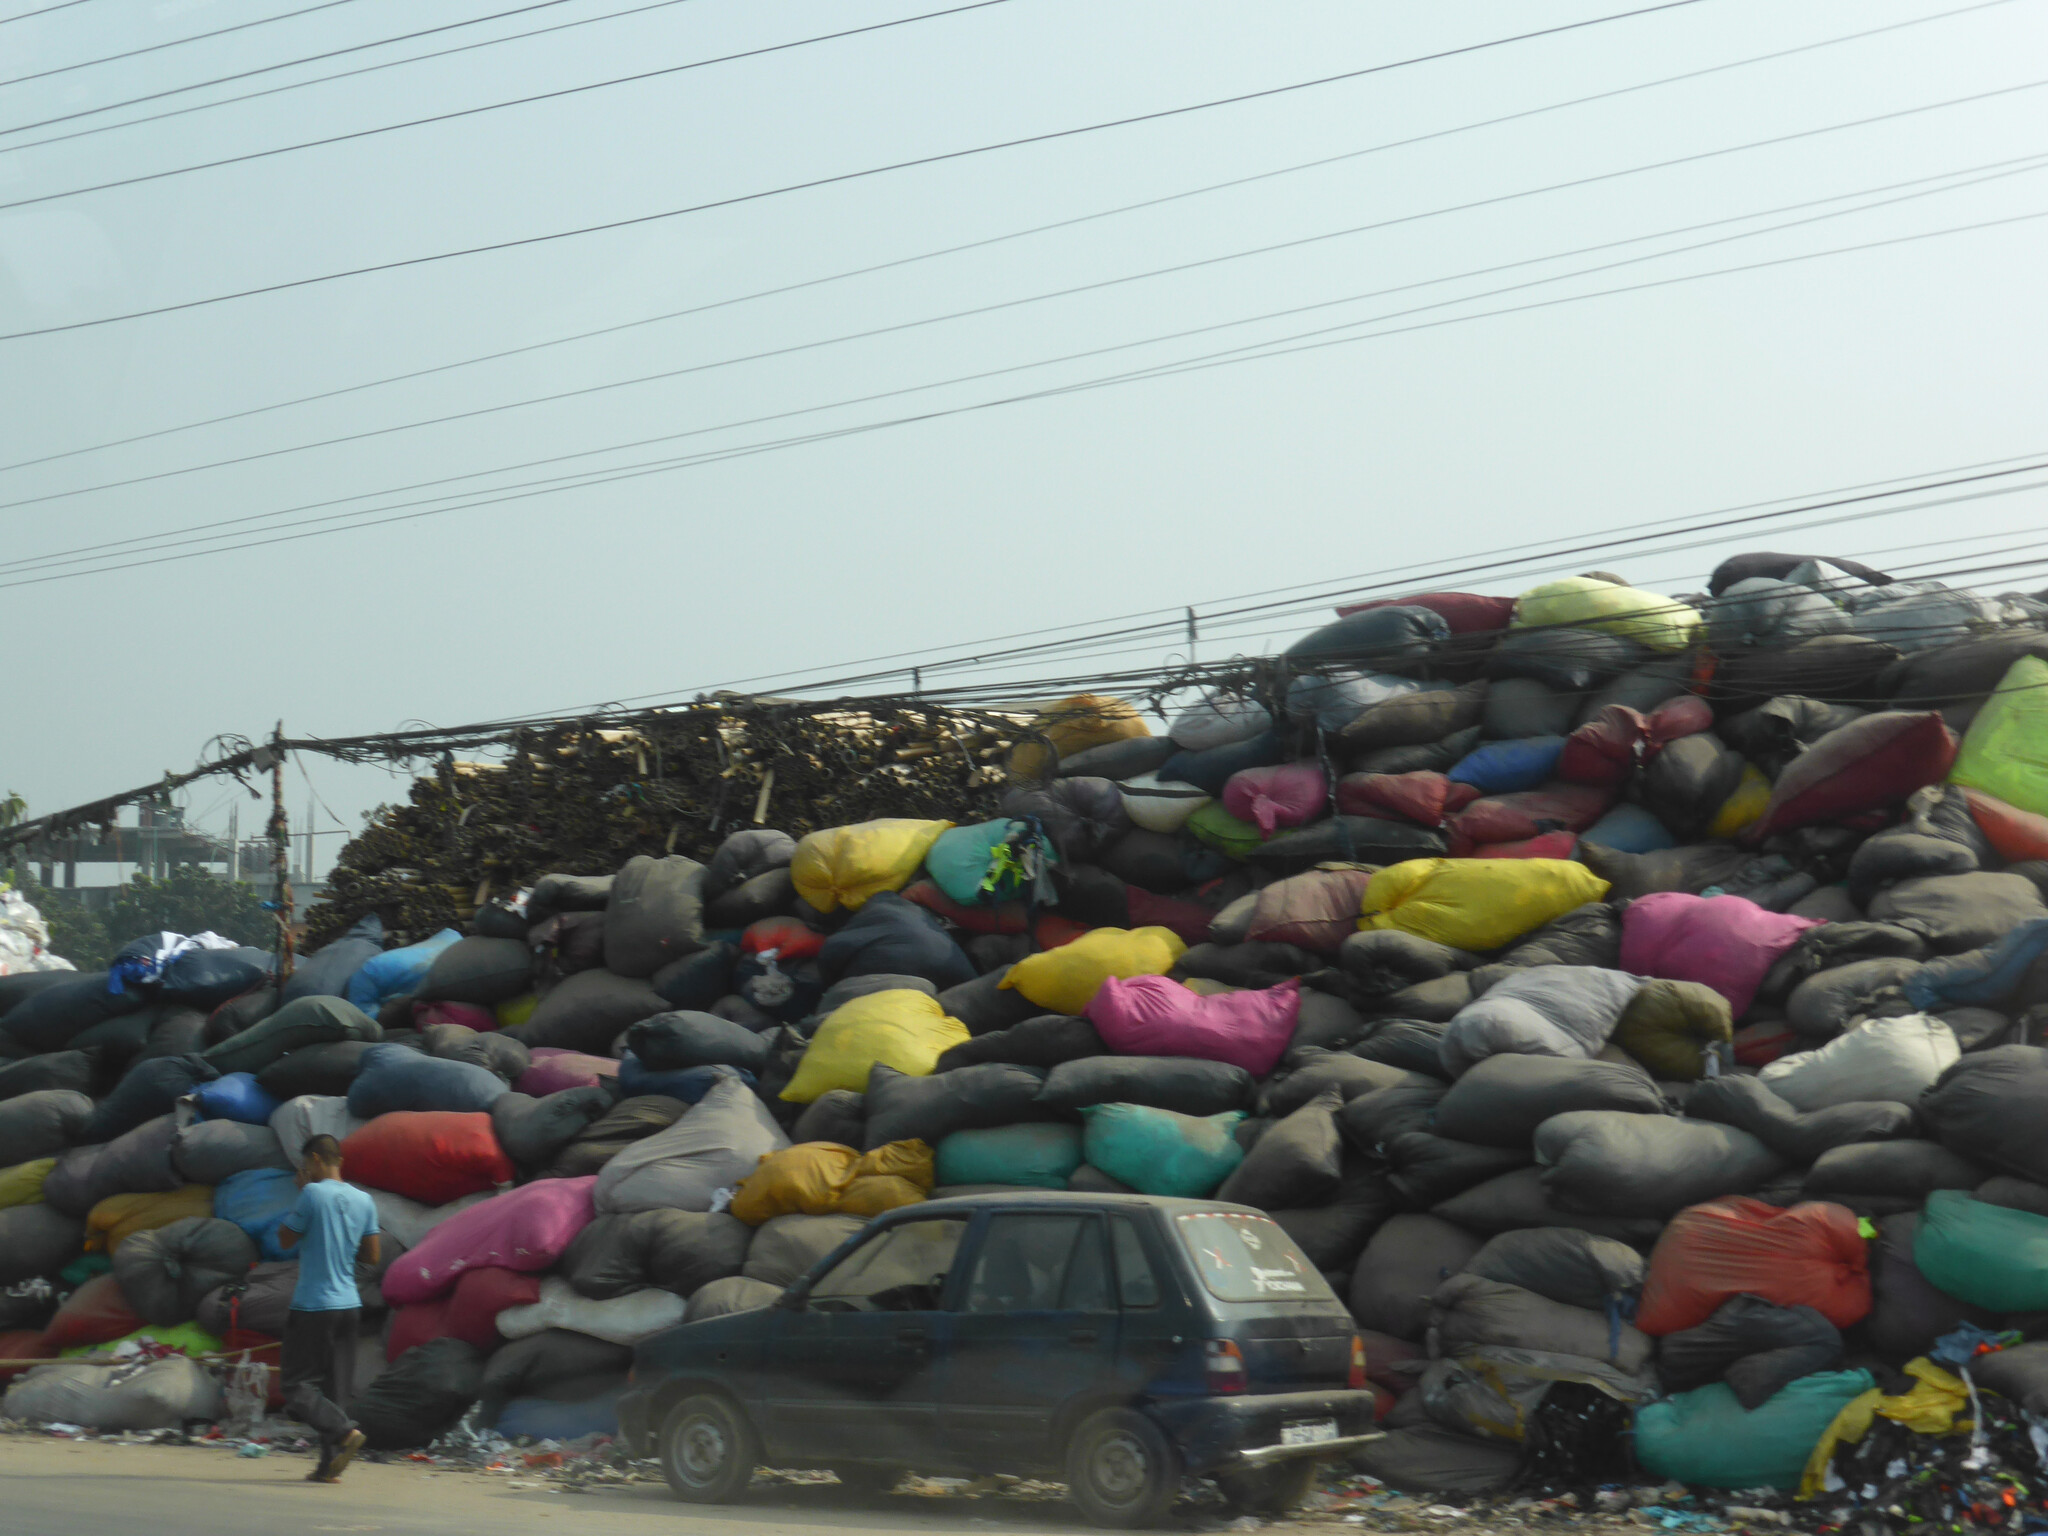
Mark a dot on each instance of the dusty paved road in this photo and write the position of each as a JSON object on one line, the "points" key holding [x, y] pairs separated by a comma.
{"points": [[54, 1487]]}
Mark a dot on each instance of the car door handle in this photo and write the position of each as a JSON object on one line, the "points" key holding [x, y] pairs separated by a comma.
{"points": [[1084, 1336]]}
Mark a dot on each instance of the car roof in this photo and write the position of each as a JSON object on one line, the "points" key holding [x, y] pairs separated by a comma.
{"points": [[1064, 1198]]}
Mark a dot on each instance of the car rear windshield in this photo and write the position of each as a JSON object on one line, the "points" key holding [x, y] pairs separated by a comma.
{"points": [[1249, 1258]]}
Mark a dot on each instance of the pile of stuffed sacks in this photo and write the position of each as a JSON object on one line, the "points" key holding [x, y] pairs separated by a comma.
{"points": [[1616, 997]]}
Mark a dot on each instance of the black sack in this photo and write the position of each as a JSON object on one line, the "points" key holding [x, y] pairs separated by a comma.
{"points": [[673, 1042], [1757, 1348], [1182, 1084], [421, 1395], [533, 1132], [900, 1107], [1043, 1042], [1297, 1163]]}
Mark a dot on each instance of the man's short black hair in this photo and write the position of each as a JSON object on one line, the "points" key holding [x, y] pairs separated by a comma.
{"points": [[321, 1149]]}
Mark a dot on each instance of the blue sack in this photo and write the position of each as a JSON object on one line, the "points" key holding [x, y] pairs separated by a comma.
{"points": [[686, 1083], [542, 1418], [394, 1077], [1628, 828], [1980, 977], [1505, 767], [238, 1096], [257, 1201], [396, 972]]}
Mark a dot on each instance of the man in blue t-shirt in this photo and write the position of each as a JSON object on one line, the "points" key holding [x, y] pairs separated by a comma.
{"points": [[334, 1227]]}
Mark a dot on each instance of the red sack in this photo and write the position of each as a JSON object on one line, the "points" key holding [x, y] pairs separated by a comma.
{"points": [[1552, 807], [1550, 845], [1004, 917], [2015, 833], [1808, 1256], [1867, 765], [469, 1015], [1421, 797], [1758, 1045], [1468, 613], [1618, 740], [790, 937], [1188, 919], [95, 1313], [429, 1155], [24, 1344], [469, 1312], [1283, 795]]}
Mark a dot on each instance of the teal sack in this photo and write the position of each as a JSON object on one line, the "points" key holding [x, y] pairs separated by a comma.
{"points": [[1706, 1439], [1987, 1255], [1158, 1152], [961, 861], [1034, 1156]]}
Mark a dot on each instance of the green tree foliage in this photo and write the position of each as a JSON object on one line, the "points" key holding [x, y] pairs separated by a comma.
{"points": [[190, 900], [76, 934]]}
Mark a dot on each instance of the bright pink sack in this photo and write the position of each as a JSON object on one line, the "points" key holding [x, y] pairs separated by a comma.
{"points": [[524, 1229], [1728, 942], [1285, 795], [1152, 1016], [1545, 845], [554, 1069]]}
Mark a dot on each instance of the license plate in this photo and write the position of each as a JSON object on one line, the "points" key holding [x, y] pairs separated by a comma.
{"points": [[1312, 1433]]}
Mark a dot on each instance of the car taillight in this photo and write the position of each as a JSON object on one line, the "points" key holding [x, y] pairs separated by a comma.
{"points": [[1356, 1379], [1224, 1364]]}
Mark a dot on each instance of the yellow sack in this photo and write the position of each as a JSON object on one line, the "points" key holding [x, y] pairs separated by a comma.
{"points": [[23, 1183], [1670, 1025], [1476, 904], [1587, 602], [1752, 794], [1065, 980], [909, 1160], [844, 866], [516, 1011], [119, 1217], [2005, 750], [901, 1029], [900, 1173], [1074, 725], [804, 1180]]}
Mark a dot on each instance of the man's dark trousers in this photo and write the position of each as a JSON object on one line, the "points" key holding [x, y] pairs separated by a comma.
{"points": [[319, 1371]]}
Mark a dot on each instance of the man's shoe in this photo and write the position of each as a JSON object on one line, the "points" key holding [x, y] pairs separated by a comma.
{"points": [[321, 1470], [344, 1453]]}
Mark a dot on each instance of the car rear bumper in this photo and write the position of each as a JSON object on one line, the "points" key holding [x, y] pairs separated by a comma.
{"points": [[634, 1428], [1221, 1434]]}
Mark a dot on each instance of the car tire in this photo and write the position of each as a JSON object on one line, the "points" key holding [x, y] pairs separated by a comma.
{"points": [[708, 1450], [867, 1480], [1273, 1490], [1122, 1471]]}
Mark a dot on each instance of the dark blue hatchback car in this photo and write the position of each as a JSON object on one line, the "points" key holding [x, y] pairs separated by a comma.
{"points": [[1115, 1341]]}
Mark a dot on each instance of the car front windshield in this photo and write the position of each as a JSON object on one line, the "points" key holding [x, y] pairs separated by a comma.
{"points": [[1242, 1257]]}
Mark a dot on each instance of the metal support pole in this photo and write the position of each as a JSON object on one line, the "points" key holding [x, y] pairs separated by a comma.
{"points": [[280, 856]]}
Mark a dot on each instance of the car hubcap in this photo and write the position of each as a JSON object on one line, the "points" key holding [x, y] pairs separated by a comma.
{"points": [[1119, 1468], [700, 1449]]}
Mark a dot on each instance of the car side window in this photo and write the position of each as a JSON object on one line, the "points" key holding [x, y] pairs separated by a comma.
{"points": [[1136, 1285], [1040, 1263], [902, 1270]]}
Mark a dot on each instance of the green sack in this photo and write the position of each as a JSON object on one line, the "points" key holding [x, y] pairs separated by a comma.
{"points": [[2005, 750], [83, 1268], [1222, 831], [1707, 1439], [185, 1338], [1034, 1156], [1987, 1255], [1158, 1152], [964, 864]]}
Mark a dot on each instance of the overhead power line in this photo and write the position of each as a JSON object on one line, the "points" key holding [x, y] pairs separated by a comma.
{"points": [[311, 58], [63, 5], [839, 178], [992, 240], [1998, 169], [176, 42], [376, 517]]}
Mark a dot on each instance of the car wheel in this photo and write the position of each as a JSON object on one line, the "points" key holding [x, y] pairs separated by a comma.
{"points": [[1270, 1490], [1122, 1471], [708, 1450], [866, 1478]]}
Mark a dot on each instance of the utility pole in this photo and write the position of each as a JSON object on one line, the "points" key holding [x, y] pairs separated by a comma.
{"points": [[280, 856]]}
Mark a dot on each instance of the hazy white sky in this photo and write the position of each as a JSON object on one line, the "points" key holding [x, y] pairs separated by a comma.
{"points": [[1421, 447]]}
